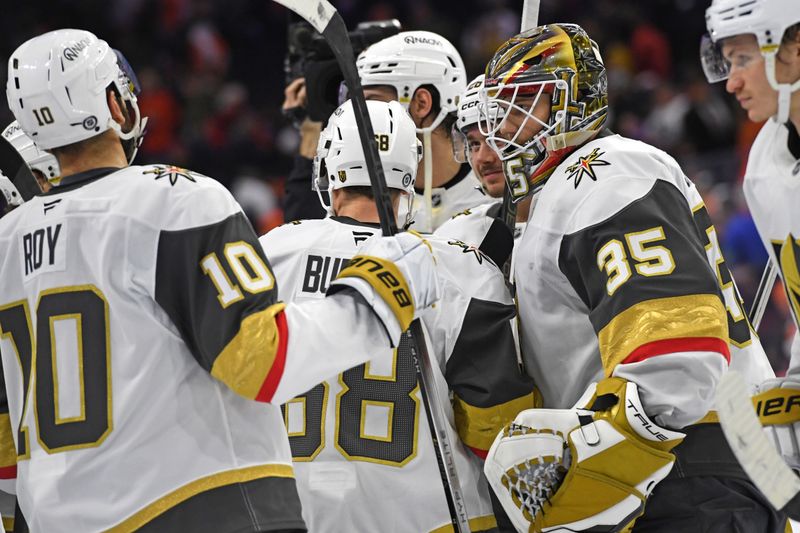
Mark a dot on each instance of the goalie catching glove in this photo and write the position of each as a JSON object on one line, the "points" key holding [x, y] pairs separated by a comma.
{"points": [[778, 408], [566, 470], [397, 278]]}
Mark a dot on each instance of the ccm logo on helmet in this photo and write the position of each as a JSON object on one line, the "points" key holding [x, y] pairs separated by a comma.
{"points": [[469, 105], [410, 39], [71, 52]]}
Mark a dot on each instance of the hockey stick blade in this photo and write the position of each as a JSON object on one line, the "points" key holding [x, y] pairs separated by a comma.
{"points": [[324, 17], [750, 445]]}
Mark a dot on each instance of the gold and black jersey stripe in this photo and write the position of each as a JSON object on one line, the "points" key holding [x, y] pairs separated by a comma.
{"points": [[642, 310], [241, 342], [482, 371]]}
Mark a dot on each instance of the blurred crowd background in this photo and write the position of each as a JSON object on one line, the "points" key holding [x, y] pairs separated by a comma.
{"points": [[212, 77]]}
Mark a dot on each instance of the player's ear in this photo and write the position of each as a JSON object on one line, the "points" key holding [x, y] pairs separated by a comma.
{"points": [[421, 105], [114, 106]]}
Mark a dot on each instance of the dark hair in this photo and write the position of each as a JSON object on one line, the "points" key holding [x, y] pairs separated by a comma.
{"points": [[360, 190], [791, 33], [436, 106], [366, 191]]}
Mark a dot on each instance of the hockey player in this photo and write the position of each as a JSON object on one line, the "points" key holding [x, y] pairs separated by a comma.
{"points": [[154, 317], [482, 225], [362, 437], [425, 73], [20, 161], [757, 50], [621, 257]]}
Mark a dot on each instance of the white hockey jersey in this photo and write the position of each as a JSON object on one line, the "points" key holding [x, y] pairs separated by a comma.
{"points": [[361, 444], [772, 191], [481, 226], [462, 192], [619, 272], [149, 302]]}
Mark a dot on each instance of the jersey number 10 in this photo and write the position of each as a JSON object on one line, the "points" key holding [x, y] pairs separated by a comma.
{"points": [[85, 308]]}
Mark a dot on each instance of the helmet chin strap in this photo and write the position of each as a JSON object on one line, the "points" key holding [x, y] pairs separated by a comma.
{"points": [[785, 90], [427, 165], [133, 138]]}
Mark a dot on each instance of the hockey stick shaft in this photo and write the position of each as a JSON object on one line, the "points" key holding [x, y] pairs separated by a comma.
{"points": [[763, 293], [530, 17], [325, 18]]}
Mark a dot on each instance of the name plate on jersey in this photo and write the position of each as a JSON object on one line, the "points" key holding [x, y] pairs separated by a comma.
{"points": [[44, 249], [319, 269]]}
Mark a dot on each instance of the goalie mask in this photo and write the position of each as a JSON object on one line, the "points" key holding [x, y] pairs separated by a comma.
{"points": [[340, 160], [57, 86], [767, 20], [550, 86]]}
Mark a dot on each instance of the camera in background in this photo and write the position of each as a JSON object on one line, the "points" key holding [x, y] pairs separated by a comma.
{"points": [[310, 56]]}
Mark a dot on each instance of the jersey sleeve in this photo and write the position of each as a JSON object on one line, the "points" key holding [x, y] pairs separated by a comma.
{"points": [[653, 299], [8, 460], [8, 450], [471, 331], [215, 283], [489, 388]]}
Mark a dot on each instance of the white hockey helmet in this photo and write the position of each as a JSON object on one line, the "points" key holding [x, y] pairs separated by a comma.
{"points": [[9, 195], [17, 182], [340, 160], [471, 110], [411, 59], [37, 159], [57, 89], [768, 20]]}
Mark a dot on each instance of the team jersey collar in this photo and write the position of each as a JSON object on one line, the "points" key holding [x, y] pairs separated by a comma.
{"points": [[354, 222], [793, 140], [460, 175], [80, 179]]}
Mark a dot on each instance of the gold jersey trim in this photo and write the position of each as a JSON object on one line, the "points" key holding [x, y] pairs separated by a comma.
{"points": [[204, 484], [8, 450], [678, 317], [245, 362], [478, 426]]}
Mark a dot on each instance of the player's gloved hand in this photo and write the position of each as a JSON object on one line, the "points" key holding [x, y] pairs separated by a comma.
{"points": [[778, 406], [396, 276], [581, 469]]}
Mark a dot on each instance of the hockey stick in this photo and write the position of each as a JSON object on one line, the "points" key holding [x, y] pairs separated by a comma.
{"points": [[530, 16], [744, 432], [326, 20], [762, 294], [755, 453]]}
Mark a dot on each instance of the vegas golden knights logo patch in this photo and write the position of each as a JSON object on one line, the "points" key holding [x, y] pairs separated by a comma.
{"points": [[586, 167], [788, 253], [172, 173], [342, 176]]}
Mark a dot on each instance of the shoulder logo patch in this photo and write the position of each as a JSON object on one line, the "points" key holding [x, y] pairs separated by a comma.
{"points": [[585, 167], [171, 172], [468, 248]]}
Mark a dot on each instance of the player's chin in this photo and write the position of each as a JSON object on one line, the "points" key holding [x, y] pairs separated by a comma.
{"points": [[495, 184], [760, 113]]}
